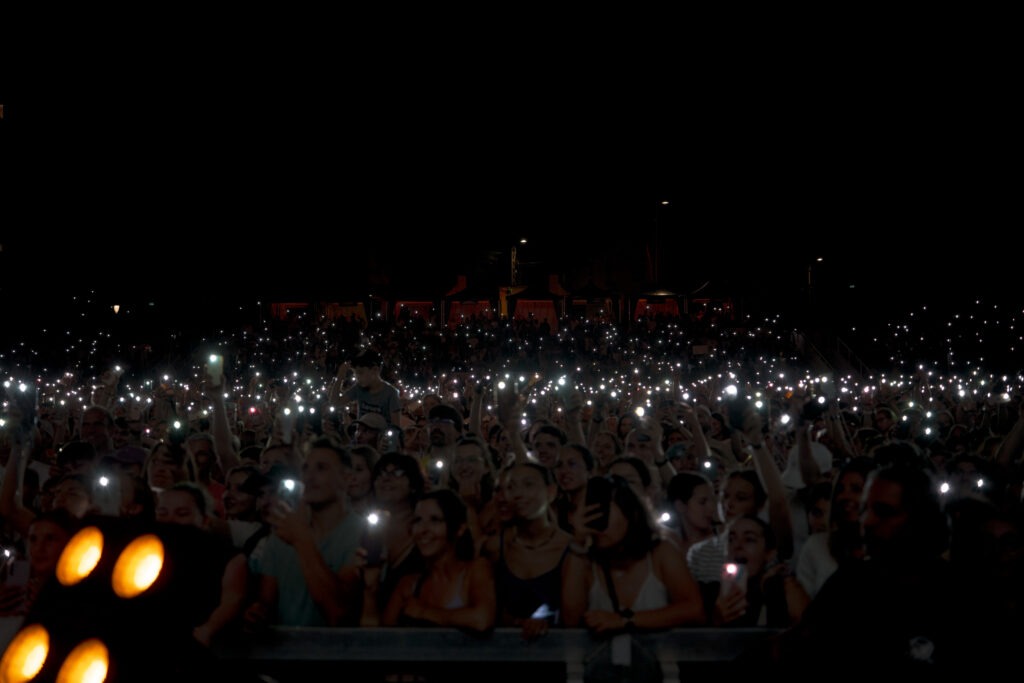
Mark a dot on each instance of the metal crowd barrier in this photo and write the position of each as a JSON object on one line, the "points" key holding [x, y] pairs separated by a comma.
{"points": [[290, 648]]}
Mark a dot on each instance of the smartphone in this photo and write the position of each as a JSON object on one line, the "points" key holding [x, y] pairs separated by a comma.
{"points": [[599, 492], [17, 574], [215, 368], [106, 493], [290, 491], [734, 575], [373, 538], [736, 410], [287, 421]]}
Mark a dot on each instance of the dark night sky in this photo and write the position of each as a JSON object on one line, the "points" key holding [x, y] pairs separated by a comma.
{"points": [[312, 192]]}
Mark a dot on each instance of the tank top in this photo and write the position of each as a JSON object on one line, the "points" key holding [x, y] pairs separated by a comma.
{"points": [[520, 597], [653, 593]]}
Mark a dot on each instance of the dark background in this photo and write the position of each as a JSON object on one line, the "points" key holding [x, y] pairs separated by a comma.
{"points": [[224, 185]]}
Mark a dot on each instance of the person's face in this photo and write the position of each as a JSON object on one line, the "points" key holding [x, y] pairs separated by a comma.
{"points": [[442, 432], [571, 471], [163, 471], [46, 541], [178, 507], [122, 437], [324, 477], [73, 496], [429, 529], [604, 450], [546, 447], [366, 436], [95, 430], [848, 496], [238, 504], [746, 544], [625, 426], [202, 454], [468, 464], [359, 483], [883, 422], [673, 438], [274, 456], [817, 516], [365, 377], [391, 485], [527, 494], [699, 511], [737, 498], [641, 444], [883, 519], [500, 442]]}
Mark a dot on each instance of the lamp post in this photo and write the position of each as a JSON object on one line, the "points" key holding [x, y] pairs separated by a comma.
{"points": [[657, 240], [515, 263]]}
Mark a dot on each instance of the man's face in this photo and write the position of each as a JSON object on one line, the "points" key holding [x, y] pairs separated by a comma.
{"points": [[883, 517], [365, 376], [95, 430], [442, 432]]}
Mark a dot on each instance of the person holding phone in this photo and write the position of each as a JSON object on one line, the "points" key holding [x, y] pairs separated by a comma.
{"points": [[626, 558], [306, 568], [754, 588]]}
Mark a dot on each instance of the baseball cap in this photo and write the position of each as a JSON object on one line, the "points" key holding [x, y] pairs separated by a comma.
{"points": [[373, 421]]}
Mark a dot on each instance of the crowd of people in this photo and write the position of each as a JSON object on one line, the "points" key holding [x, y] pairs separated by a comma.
{"points": [[625, 479]]}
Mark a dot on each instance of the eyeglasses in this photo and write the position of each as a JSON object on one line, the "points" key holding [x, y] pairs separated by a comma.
{"points": [[391, 474], [441, 421], [464, 461]]}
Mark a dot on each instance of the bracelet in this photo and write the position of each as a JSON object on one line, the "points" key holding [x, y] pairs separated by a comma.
{"points": [[661, 463]]}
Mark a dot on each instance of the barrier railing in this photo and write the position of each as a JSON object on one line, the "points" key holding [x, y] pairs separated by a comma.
{"points": [[451, 646]]}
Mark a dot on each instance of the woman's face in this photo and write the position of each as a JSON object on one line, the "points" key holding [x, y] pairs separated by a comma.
{"points": [[359, 482], [547, 446], [163, 472], [848, 494], [391, 486], [817, 516], [429, 529], [737, 498], [238, 503], [604, 450], [700, 511], [526, 493], [571, 471], [746, 544]]}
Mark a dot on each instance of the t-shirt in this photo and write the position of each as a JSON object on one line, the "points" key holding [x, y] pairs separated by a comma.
{"points": [[384, 401], [295, 606]]}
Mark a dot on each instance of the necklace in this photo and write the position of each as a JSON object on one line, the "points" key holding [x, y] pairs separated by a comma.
{"points": [[534, 546]]}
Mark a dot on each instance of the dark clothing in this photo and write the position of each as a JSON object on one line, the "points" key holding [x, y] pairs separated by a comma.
{"points": [[520, 598], [870, 618]]}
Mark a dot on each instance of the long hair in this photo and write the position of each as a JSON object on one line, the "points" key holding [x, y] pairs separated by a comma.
{"points": [[642, 535], [455, 520]]}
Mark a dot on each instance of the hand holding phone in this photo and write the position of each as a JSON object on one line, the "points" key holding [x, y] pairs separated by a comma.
{"points": [[373, 538], [734, 577], [215, 369], [290, 491]]}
